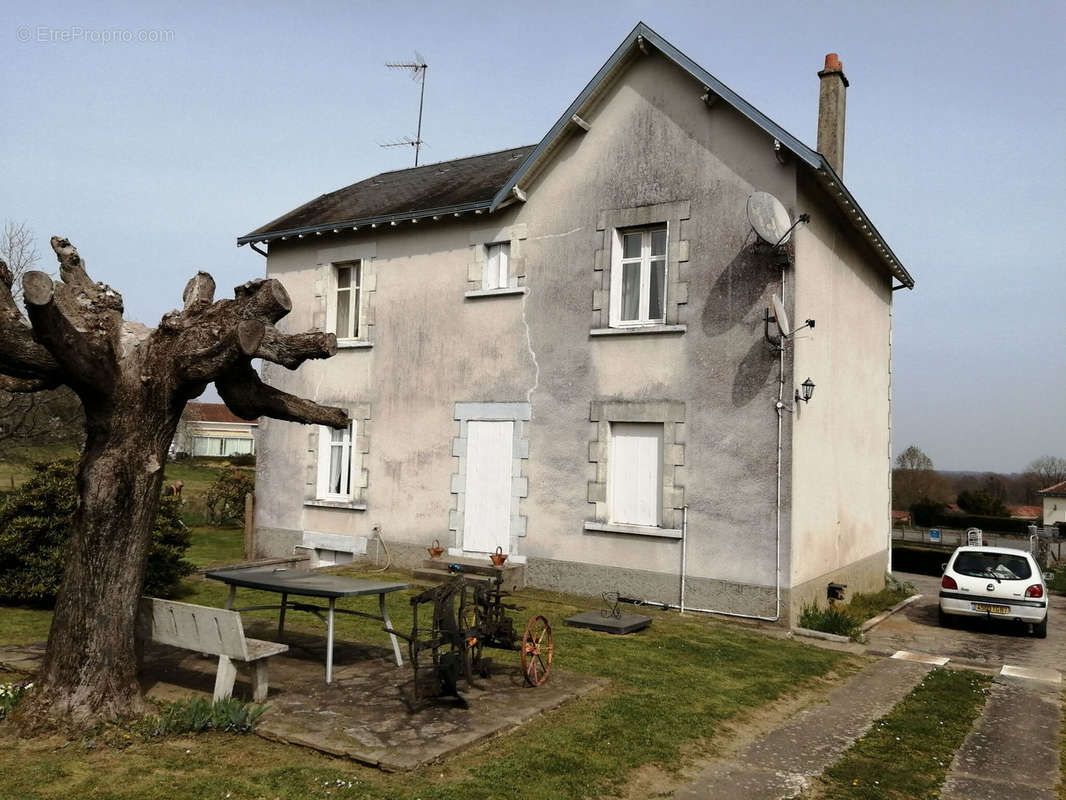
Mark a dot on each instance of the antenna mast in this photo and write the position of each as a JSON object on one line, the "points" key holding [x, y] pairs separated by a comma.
{"points": [[418, 68]]}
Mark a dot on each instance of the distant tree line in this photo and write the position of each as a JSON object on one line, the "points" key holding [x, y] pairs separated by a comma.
{"points": [[919, 488]]}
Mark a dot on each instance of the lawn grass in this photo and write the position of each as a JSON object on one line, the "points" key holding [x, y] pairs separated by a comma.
{"points": [[672, 685], [906, 754], [16, 461], [213, 546]]}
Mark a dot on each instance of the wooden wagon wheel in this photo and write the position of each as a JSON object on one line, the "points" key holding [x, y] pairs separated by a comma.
{"points": [[537, 650]]}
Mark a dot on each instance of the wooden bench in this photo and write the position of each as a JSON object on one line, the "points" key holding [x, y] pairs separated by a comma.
{"points": [[212, 631]]}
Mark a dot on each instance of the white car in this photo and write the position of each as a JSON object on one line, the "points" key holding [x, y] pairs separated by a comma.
{"points": [[994, 582]]}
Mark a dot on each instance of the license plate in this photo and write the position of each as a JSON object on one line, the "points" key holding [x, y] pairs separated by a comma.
{"points": [[991, 609]]}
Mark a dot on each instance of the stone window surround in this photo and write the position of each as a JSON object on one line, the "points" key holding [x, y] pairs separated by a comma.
{"points": [[671, 414], [677, 253], [360, 414], [516, 267], [325, 290], [519, 413]]}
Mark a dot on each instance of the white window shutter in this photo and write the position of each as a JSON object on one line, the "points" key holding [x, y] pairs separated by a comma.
{"points": [[615, 310], [322, 488], [635, 473]]}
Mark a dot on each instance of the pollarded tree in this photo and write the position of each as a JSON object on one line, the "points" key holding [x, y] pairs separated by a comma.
{"points": [[133, 382]]}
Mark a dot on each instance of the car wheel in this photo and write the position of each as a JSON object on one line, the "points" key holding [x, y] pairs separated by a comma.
{"points": [[1040, 629]]}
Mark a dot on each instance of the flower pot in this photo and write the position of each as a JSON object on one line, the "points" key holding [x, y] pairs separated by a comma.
{"points": [[498, 557]]}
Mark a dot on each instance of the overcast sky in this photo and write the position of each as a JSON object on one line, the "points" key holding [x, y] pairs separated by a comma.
{"points": [[153, 137]]}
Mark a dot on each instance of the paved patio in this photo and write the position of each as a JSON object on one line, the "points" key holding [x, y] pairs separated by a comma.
{"points": [[369, 712]]}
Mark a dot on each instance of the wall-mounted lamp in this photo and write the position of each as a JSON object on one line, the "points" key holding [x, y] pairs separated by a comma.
{"points": [[808, 389]]}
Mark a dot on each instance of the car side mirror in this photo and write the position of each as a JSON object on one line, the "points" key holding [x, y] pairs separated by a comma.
{"points": [[943, 567], [1048, 577]]}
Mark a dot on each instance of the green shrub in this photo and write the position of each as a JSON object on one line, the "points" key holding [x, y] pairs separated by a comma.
{"points": [[199, 714], [35, 524], [225, 497], [834, 619], [243, 460]]}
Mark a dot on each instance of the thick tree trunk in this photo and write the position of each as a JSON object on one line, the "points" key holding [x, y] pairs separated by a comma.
{"points": [[90, 667]]}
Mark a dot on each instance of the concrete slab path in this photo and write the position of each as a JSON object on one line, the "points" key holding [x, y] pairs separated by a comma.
{"points": [[781, 764], [1013, 749]]}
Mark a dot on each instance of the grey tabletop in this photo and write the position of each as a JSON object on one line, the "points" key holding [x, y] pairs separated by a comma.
{"points": [[301, 582]]}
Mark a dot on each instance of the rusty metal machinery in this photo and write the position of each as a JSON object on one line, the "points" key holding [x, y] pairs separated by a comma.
{"points": [[453, 624]]}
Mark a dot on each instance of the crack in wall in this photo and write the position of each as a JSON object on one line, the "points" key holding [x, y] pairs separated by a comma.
{"points": [[532, 354]]}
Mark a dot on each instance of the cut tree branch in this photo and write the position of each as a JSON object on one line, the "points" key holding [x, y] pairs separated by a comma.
{"points": [[290, 350], [265, 299], [23, 385], [87, 367], [248, 397], [71, 266], [200, 290]]}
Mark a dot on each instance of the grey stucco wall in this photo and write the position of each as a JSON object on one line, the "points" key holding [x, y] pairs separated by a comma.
{"points": [[651, 141]]}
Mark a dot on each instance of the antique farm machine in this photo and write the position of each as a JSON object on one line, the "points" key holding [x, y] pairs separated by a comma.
{"points": [[456, 621]]}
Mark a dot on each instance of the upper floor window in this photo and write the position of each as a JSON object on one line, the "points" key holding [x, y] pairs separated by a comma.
{"points": [[638, 276], [348, 275], [497, 273]]}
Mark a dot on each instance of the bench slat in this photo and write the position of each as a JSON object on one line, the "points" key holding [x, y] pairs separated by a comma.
{"points": [[209, 630], [258, 648]]}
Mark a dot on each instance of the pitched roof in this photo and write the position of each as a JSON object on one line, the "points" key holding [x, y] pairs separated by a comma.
{"points": [[464, 184], [322, 215], [1058, 490], [213, 412]]}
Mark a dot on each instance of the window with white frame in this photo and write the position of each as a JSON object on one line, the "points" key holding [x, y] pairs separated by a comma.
{"points": [[347, 275], [635, 474], [335, 463], [496, 274], [638, 276]]}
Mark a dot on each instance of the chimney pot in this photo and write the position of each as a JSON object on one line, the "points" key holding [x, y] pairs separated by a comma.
{"points": [[832, 63]]}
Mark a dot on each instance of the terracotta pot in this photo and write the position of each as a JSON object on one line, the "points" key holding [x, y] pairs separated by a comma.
{"points": [[435, 550], [498, 557]]}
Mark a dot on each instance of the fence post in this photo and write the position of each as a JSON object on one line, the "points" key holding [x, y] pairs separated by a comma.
{"points": [[249, 526]]}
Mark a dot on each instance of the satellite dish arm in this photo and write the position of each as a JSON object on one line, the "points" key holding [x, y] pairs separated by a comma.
{"points": [[804, 218]]}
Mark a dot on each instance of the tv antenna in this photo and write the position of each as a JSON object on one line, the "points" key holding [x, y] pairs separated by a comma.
{"points": [[417, 68]]}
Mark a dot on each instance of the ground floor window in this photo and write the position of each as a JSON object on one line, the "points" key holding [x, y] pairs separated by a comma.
{"points": [[634, 482], [335, 462], [221, 446]]}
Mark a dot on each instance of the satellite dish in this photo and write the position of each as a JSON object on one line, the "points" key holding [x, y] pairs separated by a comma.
{"points": [[781, 316], [769, 219]]}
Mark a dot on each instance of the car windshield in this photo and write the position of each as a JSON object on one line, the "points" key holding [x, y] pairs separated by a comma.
{"points": [[993, 565]]}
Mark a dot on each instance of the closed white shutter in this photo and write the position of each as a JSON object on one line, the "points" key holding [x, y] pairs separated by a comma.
{"points": [[635, 473], [487, 505]]}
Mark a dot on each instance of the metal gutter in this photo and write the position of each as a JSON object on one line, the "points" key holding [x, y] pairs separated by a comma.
{"points": [[355, 224]]}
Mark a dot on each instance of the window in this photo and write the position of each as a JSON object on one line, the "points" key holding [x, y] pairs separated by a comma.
{"points": [[497, 266], [335, 463], [638, 276], [635, 478], [348, 276]]}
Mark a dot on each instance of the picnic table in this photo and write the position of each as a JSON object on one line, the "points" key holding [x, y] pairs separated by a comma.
{"points": [[302, 583]]}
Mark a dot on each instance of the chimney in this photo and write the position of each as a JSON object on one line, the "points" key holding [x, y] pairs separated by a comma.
{"points": [[831, 104]]}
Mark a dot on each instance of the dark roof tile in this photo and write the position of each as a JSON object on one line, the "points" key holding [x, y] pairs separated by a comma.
{"points": [[447, 184]]}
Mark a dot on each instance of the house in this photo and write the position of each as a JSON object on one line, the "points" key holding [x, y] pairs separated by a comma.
{"points": [[211, 429], [561, 351], [1054, 503]]}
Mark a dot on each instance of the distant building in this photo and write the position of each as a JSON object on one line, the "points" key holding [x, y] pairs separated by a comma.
{"points": [[211, 429], [1054, 503]]}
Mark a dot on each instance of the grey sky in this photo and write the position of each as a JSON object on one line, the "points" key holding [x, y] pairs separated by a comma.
{"points": [[154, 156]]}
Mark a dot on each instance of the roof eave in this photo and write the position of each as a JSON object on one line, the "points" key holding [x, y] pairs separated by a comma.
{"points": [[850, 207], [811, 158], [345, 226]]}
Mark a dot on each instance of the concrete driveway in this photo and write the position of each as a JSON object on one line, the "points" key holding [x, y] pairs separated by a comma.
{"points": [[974, 641]]}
